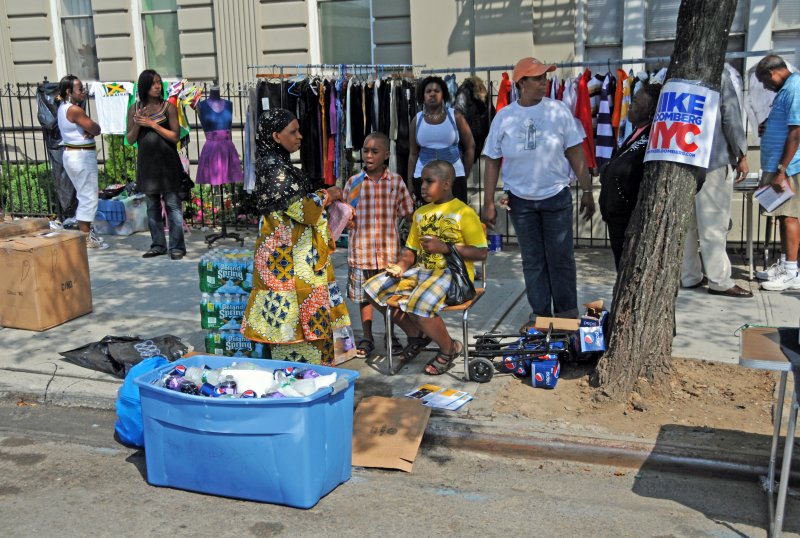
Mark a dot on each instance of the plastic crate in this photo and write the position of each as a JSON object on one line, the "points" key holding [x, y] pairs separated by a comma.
{"points": [[289, 451], [111, 211]]}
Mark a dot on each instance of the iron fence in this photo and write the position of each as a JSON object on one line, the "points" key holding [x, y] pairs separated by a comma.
{"points": [[27, 187]]}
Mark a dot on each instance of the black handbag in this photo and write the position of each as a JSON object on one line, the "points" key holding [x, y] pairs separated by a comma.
{"points": [[186, 186], [461, 287]]}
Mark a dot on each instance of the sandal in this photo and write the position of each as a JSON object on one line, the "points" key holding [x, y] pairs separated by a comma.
{"points": [[152, 253], [364, 348], [440, 367], [416, 345], [397, 346]]}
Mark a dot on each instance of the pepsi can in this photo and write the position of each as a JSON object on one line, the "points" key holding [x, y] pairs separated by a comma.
{"points": [[207, 389], [179, 370], [248, 394]]}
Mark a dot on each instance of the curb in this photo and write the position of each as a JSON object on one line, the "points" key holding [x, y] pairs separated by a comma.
{"points": [[489, 437], [621, 452]]}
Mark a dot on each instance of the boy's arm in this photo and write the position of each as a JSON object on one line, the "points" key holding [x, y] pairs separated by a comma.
{"points": [[405, 205], [404, 262], [471, 253]]}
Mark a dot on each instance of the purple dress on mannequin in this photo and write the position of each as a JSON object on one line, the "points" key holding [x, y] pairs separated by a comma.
{"points": [[219, 162]]}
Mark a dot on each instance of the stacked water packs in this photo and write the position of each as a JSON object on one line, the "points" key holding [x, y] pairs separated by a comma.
{"points": [[226, 278]]}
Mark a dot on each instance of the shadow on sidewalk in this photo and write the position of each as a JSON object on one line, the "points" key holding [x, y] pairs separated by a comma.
{"points": [[711, 471]]}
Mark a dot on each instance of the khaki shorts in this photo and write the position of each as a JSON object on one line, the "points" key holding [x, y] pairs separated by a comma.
{"points": [[792, 207]]}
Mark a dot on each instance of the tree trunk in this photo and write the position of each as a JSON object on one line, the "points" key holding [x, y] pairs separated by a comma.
{"points": [[643, 313]]}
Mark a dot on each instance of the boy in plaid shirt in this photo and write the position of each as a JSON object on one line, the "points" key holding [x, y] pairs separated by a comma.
{"points": [[379, 197]]}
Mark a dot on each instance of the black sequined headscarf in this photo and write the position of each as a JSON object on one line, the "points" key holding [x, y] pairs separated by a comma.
{"points": [[278, 183]]}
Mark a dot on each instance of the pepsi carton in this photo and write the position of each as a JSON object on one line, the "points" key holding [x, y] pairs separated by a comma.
{"points": [[592, 339], [544, 374]]}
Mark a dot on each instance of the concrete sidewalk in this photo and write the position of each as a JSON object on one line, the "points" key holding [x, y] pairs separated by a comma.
{"points": [[134, 296]]}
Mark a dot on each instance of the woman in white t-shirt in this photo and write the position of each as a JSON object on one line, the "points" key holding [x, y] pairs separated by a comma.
{"points": [[80, 153], [540, 143]]}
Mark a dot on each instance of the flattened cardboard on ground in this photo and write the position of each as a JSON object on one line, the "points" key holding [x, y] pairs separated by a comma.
{"points": [[559, 324], [339, 354], [387, 432], [22, 227], [44, 279]]}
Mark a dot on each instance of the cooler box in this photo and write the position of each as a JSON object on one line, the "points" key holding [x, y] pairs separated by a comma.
{"points": [[290, 451]]}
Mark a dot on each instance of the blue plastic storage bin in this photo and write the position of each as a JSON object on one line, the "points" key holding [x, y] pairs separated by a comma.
{"points": [[289, 451]]}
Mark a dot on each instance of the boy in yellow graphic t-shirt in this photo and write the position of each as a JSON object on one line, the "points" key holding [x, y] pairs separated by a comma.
{"points": [[421, 276]]}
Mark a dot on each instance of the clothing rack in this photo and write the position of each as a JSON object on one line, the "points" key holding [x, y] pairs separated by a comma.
{"points": [[589, 63], [342, 69]]}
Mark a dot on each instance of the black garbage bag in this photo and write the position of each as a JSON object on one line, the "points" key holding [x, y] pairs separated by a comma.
{"points": [[116, 355]]}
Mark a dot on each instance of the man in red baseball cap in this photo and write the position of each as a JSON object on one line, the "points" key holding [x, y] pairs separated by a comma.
{"points": [[531, 67]]}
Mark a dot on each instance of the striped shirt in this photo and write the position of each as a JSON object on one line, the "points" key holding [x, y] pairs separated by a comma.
{"points": [[785, 112], [375, 241]]}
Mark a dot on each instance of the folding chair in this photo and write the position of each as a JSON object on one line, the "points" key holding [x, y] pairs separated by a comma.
{"points": [[464, 308]]}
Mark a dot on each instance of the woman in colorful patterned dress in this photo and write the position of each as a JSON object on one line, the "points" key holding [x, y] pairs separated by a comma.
{"points": [[295, 304]]}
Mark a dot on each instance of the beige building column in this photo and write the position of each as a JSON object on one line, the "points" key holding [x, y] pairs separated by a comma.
{"points": [[633, 30], [116, 53]]}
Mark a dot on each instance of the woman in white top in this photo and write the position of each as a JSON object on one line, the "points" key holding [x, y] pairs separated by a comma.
{"points": [[434, 134], [80, 155]]}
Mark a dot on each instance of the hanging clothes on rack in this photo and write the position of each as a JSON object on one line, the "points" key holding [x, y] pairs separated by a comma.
{"points": [[616, 113], [583, 111], [604, 141], [503, 92]]}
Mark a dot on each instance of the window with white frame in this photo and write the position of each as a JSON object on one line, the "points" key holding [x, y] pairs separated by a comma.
{"points": [[786, 29], [162, 50], [77, 30], [661, 19], [604, 29], [345, 31]]}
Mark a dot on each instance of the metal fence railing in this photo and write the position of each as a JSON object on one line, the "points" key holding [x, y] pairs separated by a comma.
{"points": [[27, 187]]}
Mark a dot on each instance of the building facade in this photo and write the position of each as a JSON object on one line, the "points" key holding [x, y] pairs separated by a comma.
{"points": [[215, 40]]}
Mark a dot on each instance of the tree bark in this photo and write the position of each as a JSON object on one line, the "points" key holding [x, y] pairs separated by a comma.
{"points": [[643, 313]]}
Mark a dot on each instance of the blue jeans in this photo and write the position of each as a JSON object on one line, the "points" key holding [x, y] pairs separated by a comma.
{"points": [[544, 232], [155, 221]]}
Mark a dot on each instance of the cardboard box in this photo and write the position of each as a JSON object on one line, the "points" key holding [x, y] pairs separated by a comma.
{"points": [[45, 279], [22, 227], [559, 324]]}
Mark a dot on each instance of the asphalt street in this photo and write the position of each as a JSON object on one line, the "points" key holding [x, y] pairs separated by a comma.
{"points": [[63, 473]]}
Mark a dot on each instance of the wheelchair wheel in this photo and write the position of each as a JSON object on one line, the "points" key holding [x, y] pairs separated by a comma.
{"points": [[481, 370]]}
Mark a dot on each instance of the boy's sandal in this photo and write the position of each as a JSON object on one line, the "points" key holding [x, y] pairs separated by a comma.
{"points": [[365, 348], [397, 346], [416, 344], [438, 367]]}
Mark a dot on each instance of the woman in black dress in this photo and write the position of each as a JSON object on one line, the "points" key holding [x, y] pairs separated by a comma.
{"points": [[621, 176], [153, 125]]}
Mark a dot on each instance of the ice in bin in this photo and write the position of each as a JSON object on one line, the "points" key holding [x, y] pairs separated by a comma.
{"points": [[290, 451]]}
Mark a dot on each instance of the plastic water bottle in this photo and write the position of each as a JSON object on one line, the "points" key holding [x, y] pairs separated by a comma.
{"points": [[345, 334], [201, 271]]}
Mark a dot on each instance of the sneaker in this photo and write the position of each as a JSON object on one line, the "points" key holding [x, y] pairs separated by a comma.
{"points": [[93, 242], [770, 272], [783, 281]]}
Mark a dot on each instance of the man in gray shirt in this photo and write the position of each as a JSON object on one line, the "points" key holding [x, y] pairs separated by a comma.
{"points": [[712, 205]]}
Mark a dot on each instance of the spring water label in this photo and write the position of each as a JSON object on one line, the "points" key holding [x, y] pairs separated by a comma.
{"points": [[230, 271], [237, 342], [232, 310]]}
